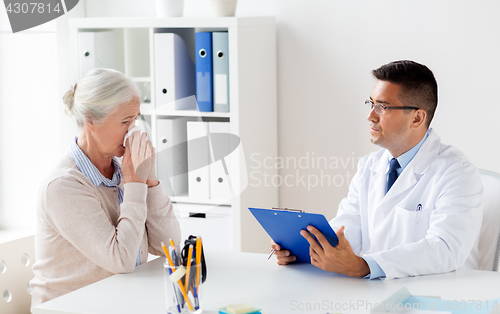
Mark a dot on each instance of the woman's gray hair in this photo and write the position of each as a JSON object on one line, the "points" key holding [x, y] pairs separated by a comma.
{"points": [[96, 95]]}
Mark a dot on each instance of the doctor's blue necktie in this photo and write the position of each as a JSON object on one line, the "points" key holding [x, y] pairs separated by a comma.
{"points": [[393, 174]]}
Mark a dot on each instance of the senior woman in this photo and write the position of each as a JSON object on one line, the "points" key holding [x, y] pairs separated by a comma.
{"points": [[96, 218]]}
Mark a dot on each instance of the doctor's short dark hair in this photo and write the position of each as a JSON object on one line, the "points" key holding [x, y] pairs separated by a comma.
{"points": [[418, 85]]}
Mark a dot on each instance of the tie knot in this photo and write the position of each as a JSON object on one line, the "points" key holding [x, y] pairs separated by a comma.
{"points": [[394, 164]]}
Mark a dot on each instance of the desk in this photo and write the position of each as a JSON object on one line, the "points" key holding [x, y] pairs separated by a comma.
{"points": [[235, 277]]}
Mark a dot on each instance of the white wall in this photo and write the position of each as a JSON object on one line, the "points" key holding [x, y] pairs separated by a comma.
{"points": [[326, 51], [30, 116], [68, 126], [28, 89]]}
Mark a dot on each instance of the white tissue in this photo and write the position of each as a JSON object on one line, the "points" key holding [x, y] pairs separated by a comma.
{"points": [[132, 130], [140, 125]]}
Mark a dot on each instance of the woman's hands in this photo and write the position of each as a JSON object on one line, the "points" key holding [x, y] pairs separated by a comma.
{"points": [[138, 161], [152, 180]]}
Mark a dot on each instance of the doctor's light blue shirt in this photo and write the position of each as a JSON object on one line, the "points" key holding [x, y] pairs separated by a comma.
{"points": [[404, 160]]}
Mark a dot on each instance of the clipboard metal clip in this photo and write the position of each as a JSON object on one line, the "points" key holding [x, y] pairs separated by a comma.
{"points": [[288, 209]]}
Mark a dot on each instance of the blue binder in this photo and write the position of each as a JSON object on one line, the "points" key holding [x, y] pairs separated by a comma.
{"points": [[284, 228], [204, 71]]}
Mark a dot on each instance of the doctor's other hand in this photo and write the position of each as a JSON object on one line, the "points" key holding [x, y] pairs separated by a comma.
{"points": [[340, 259], [137, 158], [283, 257]]}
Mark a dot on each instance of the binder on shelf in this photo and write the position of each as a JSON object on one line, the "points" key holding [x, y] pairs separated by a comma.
{"points": [[174, 73], [198, 160], [100, 49], [204, 71], [221, 71], [171, 155], [220, 168]]}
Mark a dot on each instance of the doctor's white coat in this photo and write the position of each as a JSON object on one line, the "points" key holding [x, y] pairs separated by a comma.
{"points": [[429, 220]]}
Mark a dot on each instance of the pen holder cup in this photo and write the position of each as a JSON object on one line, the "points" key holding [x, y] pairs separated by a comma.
{"points": [[183, 293]]}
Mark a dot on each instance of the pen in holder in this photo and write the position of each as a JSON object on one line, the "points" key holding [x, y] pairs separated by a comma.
{"points": [[183, 293], [184, 275]]}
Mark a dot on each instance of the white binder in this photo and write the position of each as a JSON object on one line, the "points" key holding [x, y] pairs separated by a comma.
{"points": [[100, 49], [198, 160], [220, 181], [220, 58], [174, 73], [171, 155]]}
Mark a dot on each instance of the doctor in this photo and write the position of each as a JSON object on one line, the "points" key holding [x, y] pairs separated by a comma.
{"points": [[413, 207]]}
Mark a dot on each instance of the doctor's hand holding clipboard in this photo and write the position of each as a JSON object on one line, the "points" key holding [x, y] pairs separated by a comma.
{"points": [[339, 259], [309, 238]]}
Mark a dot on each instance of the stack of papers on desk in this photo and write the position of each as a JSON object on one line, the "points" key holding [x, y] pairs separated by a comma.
{"points": [[225, 311], [240, 308], [404, 302]]}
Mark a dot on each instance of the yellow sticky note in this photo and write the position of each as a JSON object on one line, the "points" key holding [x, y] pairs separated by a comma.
{"points": [[178, 273], [239, 308]]}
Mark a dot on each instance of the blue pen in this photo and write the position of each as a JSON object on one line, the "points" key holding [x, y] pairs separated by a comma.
{"points": [[419, 210], [192, 283], [175, 289], [177, 263]]}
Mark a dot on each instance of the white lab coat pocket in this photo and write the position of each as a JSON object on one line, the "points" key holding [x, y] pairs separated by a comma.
{"points": [[409, 225]]}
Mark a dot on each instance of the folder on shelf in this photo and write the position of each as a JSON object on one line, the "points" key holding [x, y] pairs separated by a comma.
{"points": [[198, 160], [174, 73], [221, 71], [284, 227], [220, 168], [204, 71], [100, 49], [171, 155]]}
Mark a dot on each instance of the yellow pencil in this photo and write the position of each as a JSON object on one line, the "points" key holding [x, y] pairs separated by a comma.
{"points": [[190, 254], [183, 290], [198, 260], [168, 256]]}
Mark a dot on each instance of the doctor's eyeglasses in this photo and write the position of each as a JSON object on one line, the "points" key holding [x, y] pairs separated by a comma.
{"points": [[380, 108]]}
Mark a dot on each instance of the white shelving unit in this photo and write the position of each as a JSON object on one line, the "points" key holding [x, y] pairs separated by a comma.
{"points": [[252, 116]]}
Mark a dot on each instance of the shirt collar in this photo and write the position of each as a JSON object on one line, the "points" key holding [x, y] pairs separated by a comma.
{"points": [[90, 171], [405, 158]]}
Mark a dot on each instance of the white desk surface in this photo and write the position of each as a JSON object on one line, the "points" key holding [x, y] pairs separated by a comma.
{"points": [[234, 277]]}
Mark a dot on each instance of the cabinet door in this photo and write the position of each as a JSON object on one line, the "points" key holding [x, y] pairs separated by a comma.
{"points": [[213, 224]]}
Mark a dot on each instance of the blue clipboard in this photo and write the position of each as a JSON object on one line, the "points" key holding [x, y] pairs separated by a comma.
{"points": [[284, 227]]}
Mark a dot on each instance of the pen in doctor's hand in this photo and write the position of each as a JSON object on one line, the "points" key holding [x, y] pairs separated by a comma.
{"points": [[283, 257], [272, 252]]}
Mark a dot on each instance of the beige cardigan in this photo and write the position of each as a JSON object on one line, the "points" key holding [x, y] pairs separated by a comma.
{"points": [[83, 235]]}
